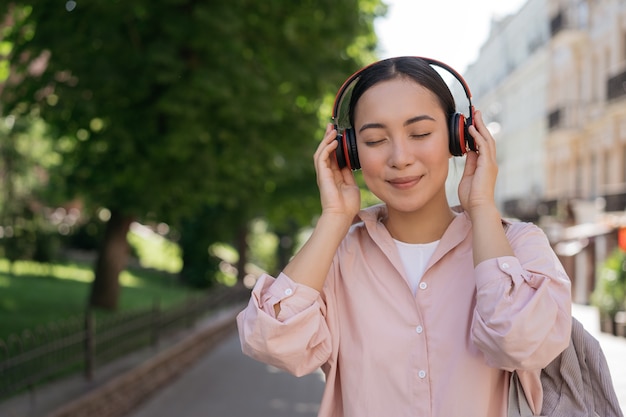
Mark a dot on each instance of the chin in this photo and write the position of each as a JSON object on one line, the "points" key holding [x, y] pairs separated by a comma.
{"points": [[405, 207]]}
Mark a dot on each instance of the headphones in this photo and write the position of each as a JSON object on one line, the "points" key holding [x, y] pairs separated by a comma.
{"points": [[459, 138]]}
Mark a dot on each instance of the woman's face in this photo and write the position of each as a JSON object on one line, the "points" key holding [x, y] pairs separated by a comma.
{"points": [[402, 141]]}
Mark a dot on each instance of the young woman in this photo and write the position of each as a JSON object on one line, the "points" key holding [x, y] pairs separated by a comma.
{"points": [[412, 307]]}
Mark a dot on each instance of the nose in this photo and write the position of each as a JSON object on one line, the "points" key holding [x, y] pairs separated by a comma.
{"points": [[401, 155]]}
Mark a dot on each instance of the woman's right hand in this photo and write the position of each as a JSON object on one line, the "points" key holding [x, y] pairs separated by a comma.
{"points": [[341, 200], [339, 193]]}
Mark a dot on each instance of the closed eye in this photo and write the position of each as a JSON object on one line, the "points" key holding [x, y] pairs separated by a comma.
{"points": [[374, 142], [420, 135]]}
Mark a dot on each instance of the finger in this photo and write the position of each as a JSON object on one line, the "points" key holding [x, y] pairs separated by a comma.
{"points": [[348, 176], [470, 164], [484, 146], [478, 139], [329, 135], [483, 131]]}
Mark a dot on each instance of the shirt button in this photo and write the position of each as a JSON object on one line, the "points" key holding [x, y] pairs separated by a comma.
{"points": [[505, 265], [419, 329], [288, 291], [422, 374], [423, 285]]}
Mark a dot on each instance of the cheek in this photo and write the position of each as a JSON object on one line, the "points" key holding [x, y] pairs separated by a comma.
{"points": [[442, 165], [369, 158], [371, 167], [372, 181], [441, 150]]}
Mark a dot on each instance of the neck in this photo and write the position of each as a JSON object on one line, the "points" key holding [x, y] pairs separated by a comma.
{"points": [[423, 226]]}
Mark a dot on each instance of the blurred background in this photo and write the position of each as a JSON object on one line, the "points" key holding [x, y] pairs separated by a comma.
{"points": [[156, 158]]}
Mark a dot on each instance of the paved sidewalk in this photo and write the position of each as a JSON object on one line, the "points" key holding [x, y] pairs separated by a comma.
{"points": [[228, 384]]}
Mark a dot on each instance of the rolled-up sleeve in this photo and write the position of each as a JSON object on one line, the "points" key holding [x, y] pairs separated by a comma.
{"points": [[522, 318], [298, 340]]}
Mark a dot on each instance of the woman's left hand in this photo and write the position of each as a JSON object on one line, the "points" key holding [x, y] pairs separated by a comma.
{"points": [[477, 186]]}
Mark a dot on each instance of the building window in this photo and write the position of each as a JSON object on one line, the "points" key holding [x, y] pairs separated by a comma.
{"points": [[554, 119], [617, 86], [557, 23]]}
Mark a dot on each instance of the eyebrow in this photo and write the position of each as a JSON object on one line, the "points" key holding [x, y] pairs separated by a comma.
{"points": [[418, 119], [406, 123]]}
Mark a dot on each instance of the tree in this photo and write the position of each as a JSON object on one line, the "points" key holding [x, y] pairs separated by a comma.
{"points": [[169, 106]]}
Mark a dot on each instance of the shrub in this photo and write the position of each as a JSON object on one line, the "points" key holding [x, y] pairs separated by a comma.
{"points": [[609, 294]]}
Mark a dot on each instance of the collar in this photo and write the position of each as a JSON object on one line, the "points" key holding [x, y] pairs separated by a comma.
{"points": [[371, 217]]}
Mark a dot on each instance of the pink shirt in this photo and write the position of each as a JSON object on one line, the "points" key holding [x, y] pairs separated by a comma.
{"points": [[444, 352]]}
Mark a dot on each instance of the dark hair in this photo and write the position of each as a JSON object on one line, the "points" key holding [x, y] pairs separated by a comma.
{"points": [[413, 68]]}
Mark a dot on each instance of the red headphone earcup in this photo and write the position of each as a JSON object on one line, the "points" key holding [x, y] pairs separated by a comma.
{"points": [[346, 152], [352, 154], [471, 143], [457, 135], [340, 151]]}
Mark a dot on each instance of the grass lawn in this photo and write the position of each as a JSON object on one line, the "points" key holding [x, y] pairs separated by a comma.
{"points": [[37, 294]]}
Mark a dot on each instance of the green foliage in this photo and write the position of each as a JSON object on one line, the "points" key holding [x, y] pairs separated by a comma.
{"points": [[200, 270], [263, 246], [87, 235], [173, 104], [30, 236], [609, 294], [165, 110], [154, 250], [26, 157]]}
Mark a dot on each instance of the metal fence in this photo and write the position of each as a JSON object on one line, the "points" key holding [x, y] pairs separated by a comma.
{"points": [[83, 344]]}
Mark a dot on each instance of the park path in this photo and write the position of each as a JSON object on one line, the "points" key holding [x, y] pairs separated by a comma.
{"points": [[227, 383]]}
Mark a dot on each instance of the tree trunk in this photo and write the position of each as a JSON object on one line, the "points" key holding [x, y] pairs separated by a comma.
{"points": [[286, 243], [112, 259], [285, 248], [242, 248]]}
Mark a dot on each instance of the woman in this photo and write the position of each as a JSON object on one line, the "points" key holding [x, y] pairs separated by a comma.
{"points": [[412, 307]]}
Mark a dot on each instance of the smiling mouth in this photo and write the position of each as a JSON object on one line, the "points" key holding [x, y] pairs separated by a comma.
{"points": [[405, 182]]}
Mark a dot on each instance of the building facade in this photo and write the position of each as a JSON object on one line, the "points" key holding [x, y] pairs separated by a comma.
{"points": [[551, 82], [509, 82], [587, 104]]}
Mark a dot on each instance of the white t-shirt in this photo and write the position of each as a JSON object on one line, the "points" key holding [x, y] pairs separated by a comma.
{"points": [[415, 257]]}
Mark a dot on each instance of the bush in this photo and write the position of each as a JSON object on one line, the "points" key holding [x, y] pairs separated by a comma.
{"points": [[87, 236], [609, 295], [31, 237]]}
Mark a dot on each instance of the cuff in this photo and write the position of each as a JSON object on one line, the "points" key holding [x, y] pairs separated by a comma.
{"points": [[293, 297], [494, 269]]}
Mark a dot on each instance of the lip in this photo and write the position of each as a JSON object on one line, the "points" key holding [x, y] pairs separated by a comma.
{"points": [[404, 183]]}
